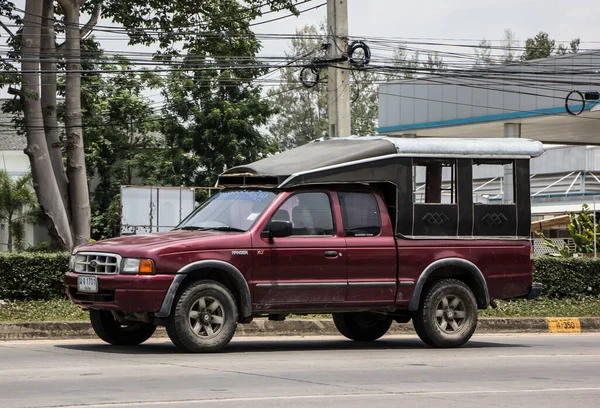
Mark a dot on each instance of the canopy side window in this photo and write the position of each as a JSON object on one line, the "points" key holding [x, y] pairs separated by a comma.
{"points": [[494, 198], [434, 197]]}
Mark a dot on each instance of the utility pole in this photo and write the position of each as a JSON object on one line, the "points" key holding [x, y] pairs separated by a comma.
{"points": [[338, 75]]}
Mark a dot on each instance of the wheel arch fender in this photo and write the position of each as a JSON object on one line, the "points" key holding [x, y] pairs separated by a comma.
{"points": [[470, 269], [242, 291]]}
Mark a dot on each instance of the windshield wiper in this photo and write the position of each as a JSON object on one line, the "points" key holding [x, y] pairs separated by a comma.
{"points": [[231, 229], [192, 228], [196, 228]]}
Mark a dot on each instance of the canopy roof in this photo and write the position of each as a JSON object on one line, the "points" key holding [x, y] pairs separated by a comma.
{"points": [[343, 153]]}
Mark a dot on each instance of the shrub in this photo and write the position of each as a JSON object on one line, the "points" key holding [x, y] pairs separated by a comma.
{"points": [[568, 277], [31, 275]]}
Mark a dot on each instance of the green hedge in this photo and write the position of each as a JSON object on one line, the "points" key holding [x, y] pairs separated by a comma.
{"points": [[568, 277], [31, 275], [40, 275]]}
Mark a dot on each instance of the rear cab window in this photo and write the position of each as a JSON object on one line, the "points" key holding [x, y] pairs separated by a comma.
{"points": [[360, 214]]}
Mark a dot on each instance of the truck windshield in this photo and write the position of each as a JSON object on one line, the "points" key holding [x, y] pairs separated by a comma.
{"points": [[233, 210]]}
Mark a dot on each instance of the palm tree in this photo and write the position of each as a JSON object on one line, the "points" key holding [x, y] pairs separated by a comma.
{"points": [[18, 205]]}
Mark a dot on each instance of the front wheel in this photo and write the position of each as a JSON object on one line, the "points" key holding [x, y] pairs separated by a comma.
{"points": [[447, 315], [363, 326], [117, 333], [204, 319]]}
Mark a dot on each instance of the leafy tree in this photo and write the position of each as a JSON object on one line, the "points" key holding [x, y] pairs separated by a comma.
{"points": [[404, 65], [573, 47], [364, 105], [63, 192], [17, 207], [581, 229], [302, 112], [509, 47], [541, 46], [434, 64], [120, 124], [483, 54]]}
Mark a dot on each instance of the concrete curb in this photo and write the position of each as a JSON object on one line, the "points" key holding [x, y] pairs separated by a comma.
{"points": [[306, 327]]}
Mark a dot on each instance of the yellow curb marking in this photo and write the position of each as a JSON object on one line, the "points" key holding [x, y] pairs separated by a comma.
{"points": [[564, 325]]}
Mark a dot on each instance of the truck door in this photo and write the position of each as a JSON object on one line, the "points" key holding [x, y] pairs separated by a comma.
{"points": [[371, 247], [307, 269]]}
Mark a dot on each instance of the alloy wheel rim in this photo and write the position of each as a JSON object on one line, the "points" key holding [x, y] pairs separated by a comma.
{"points": [[206, 317], [451, 314]]}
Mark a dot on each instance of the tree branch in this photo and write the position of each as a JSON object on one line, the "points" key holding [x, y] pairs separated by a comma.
{"points": [[89, 26], [7, 30]]}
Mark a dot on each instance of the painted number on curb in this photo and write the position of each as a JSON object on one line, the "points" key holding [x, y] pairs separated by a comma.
{"points": [[564, 325]]}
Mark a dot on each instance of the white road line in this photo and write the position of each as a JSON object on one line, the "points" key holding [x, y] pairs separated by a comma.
{"points": [[326, 396]]}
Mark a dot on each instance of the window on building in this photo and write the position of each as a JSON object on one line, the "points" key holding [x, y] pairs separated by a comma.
{"points": [[360, 214], [434, 181]]}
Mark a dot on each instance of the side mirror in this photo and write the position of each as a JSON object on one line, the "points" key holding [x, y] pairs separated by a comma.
{"points": [[277, 229]]}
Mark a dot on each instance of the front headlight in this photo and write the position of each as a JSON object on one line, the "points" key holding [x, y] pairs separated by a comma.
{"points": [[137, 265], [72, 262]]}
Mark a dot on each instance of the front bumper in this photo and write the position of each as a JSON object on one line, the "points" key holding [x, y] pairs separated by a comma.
{"points": [[127, 293], [535, 291]]}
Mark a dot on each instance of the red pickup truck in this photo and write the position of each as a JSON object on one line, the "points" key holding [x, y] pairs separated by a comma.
{"points": [[372, 230]]}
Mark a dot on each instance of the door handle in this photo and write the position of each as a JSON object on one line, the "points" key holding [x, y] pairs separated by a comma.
{"points": [[331, 254]]}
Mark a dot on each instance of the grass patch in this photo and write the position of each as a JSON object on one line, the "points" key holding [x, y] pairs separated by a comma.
{"points": [[64, 310], [584, 306], [41, 311]]}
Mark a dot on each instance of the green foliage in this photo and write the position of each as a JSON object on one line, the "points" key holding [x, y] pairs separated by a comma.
{"points": [[581, 229], [301, 113], [483, 54], [18, 206], [121, 127], [28, 275], [542, 46], [568, 277], [581, 306]]}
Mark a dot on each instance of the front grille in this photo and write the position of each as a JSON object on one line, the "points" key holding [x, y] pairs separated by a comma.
{"points": [[97, 263]]}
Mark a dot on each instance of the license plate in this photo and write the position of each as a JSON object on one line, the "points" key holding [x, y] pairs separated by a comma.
{"points": [[87, 284]]}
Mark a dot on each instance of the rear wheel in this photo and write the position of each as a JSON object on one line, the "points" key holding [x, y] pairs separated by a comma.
{"points": [[447, 315], [119, 333], [363, 326], [204, 319]]}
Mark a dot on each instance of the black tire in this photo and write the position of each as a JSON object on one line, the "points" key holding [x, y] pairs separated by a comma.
{"points": [[204, 318], [114, 332], [362, 326], [447, 315]]}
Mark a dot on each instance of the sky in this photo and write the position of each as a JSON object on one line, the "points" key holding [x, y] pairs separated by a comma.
{"points": [[463, 19], [451, 23]]}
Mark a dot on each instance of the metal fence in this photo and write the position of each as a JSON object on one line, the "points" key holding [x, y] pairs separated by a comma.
{"points": [[146, 209], [539, 247]]}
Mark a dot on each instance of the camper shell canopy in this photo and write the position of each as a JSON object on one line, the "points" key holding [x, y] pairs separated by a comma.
{"points": [[378, 160]]}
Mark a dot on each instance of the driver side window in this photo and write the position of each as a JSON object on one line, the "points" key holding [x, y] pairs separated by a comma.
{"points": [[309, 213]]}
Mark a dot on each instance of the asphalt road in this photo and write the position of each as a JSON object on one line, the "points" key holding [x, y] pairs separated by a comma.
{"points": [[491, 371]]}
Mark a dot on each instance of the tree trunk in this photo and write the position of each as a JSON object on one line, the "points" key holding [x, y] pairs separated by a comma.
{"points": [[44, 182], [76, 173], [48, 98], [10, 238]]}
